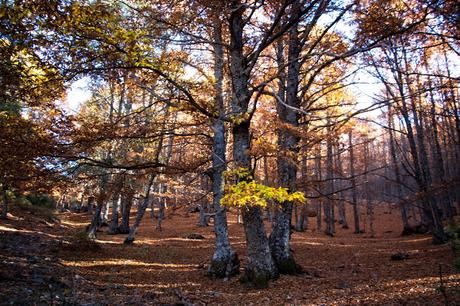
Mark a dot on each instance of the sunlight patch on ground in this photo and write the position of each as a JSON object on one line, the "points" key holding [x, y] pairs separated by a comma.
{"points": [[72, 223], [164, 240], [307, 241], [171, 285], [425, 282], [421, 239], [107, 241], [11, 229], [124, 262], [418, 286]]}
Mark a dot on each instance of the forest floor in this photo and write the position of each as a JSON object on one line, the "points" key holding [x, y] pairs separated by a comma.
{"points": [[49, 263]]}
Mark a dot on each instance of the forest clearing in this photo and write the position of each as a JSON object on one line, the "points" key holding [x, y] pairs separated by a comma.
{"points": [[237, 152]]}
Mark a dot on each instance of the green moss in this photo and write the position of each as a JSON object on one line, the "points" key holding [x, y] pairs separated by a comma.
{"points": [[44, 212]]}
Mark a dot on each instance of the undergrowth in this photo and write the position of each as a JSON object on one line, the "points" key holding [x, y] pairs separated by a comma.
{"points": [[453, 233], [40, 207]]}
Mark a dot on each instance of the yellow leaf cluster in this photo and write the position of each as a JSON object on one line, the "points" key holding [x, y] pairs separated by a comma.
{"points": [[244, 194]]}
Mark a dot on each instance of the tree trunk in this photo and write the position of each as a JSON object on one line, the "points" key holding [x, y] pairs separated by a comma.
{"points": [[140, 211], [90, 204], [318, 177], [260, 266], [105, 214], [126, 203], [95, 222], [429, 210], [407, 229], [329, 203], [354, 197], [341, 202], [268, 212], [5, 202], [202, 219], [288, 142], [367, 186], [161, 205], [224, 262], [438, 164], [113, 226]]}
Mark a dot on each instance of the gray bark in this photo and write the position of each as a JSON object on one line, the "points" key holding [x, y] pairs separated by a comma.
{"points": [[288, 142], [438, 164], [126, 204], [260, 266], [399, 193], [224, 262], [302, 218], [354, 197], [329, 203], [318, 177], [101, 198], [268, 212], [341, 202], [140, 210], [420, 162], [367, 191], [113, 226], [105, 213]]}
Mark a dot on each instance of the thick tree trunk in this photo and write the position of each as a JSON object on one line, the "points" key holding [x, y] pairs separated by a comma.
{"points": [[116, 201], [126, 203], [260, 266], [288, 142], [224, 262], [113, 226]]}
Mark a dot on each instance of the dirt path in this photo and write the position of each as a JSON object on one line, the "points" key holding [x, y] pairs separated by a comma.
{"points": [[164, 268]]}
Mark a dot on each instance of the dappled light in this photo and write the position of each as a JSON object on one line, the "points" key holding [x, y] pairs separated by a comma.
{"points": [[239, 152]]}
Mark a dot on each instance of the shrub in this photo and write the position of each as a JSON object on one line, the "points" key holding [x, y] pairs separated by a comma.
{"points": [[41, 200], [45, 212], [453, 233]]}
